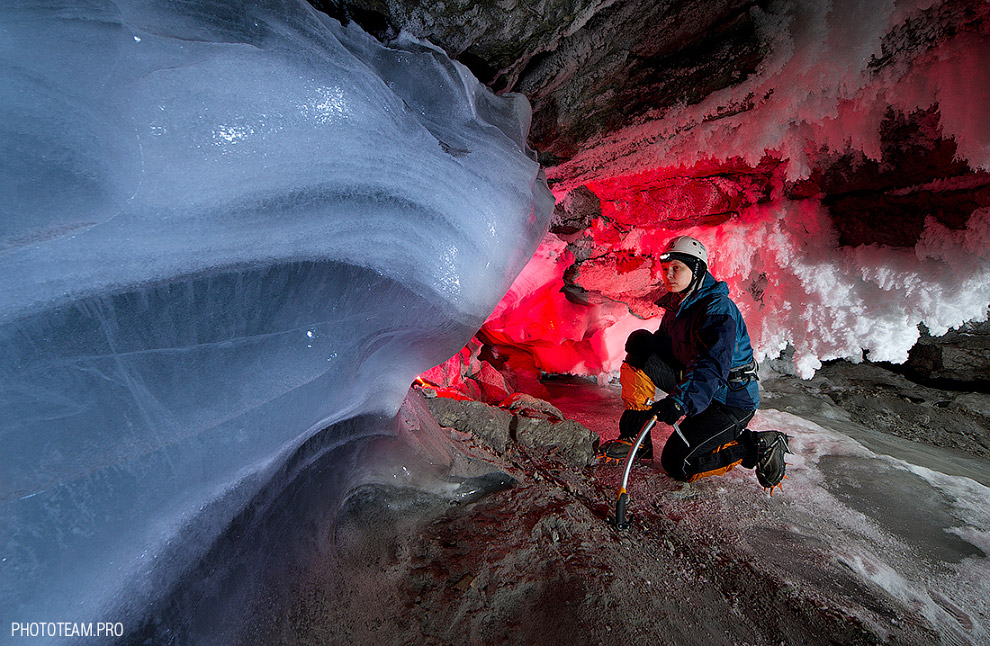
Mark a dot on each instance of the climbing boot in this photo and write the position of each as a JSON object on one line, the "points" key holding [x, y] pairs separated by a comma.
{"points": [[770, 466], [618, 450]]}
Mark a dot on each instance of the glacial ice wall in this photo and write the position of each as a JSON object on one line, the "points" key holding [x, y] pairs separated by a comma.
{"points": [[226, 226]]}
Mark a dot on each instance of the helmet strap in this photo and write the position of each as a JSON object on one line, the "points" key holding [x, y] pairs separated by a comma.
{"points": [[698, 271]]}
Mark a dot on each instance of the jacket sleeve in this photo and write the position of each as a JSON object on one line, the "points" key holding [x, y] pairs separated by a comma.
{"points": [[709, 370]]}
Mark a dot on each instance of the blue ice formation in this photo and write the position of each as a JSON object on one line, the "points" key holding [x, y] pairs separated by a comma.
{"points": [[226, 226]]}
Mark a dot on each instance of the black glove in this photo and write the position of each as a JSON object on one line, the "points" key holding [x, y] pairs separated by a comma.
{"points": [[667, 410], [639, 347], [640, 342]]}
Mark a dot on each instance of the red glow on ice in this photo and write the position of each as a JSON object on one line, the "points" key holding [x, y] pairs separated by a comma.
{"points": [[571, 308], [618, 276], [672, 198], [574, 304]]}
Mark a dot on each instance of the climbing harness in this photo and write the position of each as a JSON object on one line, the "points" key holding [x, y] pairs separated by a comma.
{"points": [[745, 374]]}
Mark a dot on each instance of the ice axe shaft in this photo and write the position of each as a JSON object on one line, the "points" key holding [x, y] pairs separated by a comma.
{"points": [[620, 503]]}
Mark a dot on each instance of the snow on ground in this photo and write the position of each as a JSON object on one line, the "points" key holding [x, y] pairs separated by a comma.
{"points": [[858, 548], [915, 534], [898, 529]]}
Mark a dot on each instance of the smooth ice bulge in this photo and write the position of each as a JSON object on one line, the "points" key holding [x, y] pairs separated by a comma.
{"points": [[225, 227]]}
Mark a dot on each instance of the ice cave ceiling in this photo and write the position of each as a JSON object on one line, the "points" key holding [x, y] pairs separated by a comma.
{"points": [[858, 126]]}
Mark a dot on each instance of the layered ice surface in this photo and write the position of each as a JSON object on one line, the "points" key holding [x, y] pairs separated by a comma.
{"points": [[226, 227]]}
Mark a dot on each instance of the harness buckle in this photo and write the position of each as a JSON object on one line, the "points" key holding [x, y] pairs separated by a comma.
{"points": [[745, 374]]}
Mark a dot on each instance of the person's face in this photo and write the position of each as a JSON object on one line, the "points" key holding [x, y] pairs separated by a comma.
{"points": [[676, 276]]}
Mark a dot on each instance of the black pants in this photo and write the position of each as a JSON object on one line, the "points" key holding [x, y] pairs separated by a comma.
{"points": [[716, 437]]}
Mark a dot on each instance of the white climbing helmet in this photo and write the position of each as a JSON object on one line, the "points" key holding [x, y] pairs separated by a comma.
{"points": [[684, 246]]}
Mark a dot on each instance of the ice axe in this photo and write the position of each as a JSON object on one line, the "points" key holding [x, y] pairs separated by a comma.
{"points": [[620, 503]]}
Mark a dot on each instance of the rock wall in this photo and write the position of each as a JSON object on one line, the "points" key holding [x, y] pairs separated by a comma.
{"points": [[959, 359], [588, 66], [655, 118]]}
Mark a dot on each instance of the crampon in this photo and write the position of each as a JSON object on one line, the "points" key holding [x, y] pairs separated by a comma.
{"points": [[770, 466], [616, 451]]}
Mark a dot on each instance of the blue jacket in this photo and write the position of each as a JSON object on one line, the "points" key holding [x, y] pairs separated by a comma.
{"points": [[703, 339]]}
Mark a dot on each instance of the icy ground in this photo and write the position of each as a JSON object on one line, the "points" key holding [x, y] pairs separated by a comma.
{"points": [[860, 547]]}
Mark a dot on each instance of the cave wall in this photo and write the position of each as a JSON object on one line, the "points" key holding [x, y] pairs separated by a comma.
{"points": [[835, 156], [589, 67]]}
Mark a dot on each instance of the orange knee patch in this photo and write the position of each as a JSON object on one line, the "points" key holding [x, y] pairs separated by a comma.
{"points": [[721, 471], [715, 472]]}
